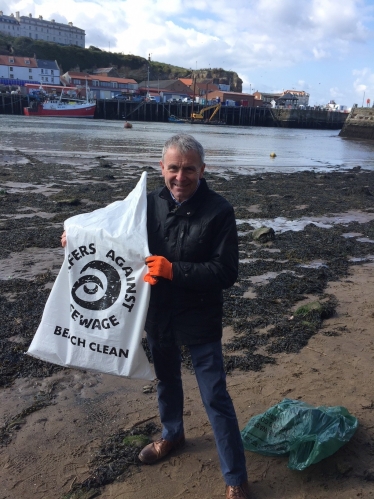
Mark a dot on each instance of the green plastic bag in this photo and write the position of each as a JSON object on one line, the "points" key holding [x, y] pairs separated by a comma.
{"points": [[308, 434]]}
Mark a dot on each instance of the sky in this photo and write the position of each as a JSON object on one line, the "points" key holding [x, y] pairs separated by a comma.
{"points": [[324, 47]]}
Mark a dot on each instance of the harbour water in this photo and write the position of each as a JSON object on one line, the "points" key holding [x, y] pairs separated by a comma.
{"points": [[244, 150]]}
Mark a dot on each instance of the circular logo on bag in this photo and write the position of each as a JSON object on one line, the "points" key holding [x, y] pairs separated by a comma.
{"points": [[91, 293]]}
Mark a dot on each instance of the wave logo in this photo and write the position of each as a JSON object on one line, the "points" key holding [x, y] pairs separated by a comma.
{"points": [[90, 292]]}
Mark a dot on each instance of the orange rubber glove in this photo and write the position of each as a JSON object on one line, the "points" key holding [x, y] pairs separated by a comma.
{"points": [[158, 267], [150, 279]]}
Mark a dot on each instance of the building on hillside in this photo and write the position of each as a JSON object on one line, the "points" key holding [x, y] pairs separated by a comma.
{"points": [[16, 70], [234, 99], [102, 87], [167, 89], [40, 29], [49, 72]]}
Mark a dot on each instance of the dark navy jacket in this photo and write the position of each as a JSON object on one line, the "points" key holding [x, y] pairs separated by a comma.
{"points": [[200, 239]]}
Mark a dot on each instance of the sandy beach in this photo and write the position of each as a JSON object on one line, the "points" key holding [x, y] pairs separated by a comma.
{"points": [[63, 431]]}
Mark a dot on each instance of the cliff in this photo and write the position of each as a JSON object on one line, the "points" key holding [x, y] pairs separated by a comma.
{"points": [[359, 124]]}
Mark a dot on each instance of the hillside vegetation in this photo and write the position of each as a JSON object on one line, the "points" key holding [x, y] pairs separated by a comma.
{"points": [[128, 66]]}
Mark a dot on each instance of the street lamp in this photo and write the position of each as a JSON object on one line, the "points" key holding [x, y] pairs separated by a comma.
{"points": [[149, 61]]}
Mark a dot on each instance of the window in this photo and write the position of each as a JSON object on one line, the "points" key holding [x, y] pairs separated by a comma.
{"points": [[30, 77], [52, 72], [42, 71], [10, 69], [95, 83], [30, 70], [27, 61], [11, 76]]}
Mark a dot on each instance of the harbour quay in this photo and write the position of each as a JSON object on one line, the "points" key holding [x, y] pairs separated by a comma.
{"points": [[359, 124], [113, 109]]}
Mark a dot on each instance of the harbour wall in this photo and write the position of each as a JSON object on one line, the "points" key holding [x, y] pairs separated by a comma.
{"points": [[110, 109], [359, 124], [307, 118]]}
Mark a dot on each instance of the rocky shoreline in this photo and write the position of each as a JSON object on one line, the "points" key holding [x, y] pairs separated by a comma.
{"points": [[280, 303]]}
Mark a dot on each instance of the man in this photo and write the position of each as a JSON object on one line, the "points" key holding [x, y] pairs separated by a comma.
{"points": [[193, 239]]}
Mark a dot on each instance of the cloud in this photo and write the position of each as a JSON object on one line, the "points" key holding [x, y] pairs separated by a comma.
{"points": [[270, 43], [364, 83]]}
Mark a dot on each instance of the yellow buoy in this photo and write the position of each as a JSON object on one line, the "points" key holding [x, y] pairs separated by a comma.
{"points": [[273, 155]]}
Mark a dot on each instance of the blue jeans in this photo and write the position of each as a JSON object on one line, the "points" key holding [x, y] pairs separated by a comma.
{"points": [[207, 361]]}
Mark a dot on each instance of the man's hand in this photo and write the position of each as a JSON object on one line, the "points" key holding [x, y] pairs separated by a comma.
{"points": [[150, 279], [63, 239], [158, 267]]}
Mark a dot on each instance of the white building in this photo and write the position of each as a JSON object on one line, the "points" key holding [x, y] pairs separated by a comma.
{"points": [[15, 70], [39, 29]]}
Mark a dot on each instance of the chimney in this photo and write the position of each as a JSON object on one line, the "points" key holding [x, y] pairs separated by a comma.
{"points": [[17, 16], [70, 24], [30, 15], [1, 12], [41, 17]]}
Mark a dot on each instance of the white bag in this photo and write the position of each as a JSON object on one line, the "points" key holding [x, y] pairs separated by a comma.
{"points": [[94, 317]]}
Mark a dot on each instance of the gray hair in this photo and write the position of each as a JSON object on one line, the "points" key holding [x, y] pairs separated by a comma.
{"points": [[184, 143]]}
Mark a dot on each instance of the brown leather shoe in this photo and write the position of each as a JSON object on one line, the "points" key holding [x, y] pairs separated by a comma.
{"points": [[159, 449], [238, 491]]}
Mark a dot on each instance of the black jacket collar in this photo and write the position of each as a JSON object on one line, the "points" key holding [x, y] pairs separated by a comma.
{"points": [[189, 207]]}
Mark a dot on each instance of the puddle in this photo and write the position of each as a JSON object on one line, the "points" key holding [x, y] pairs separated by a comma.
{"points": [[30, 262], [261, 279], [365, 240], [361, 259], [281, 224], [20, 187], [352, 234], [315, 264], [41, 214]]}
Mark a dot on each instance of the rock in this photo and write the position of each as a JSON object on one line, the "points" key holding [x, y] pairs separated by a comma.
{"points": [[263, 234], [148, 389]]}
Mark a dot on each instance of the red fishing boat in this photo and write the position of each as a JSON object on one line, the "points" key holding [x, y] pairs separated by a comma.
{"points": [[67, 106]]}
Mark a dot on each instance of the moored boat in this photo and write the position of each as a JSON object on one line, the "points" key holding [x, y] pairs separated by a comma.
{"points": [[64, 106], [174, 119]]}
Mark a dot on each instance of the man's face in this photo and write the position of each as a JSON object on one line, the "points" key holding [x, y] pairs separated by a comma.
{"points": [[182, 172]]}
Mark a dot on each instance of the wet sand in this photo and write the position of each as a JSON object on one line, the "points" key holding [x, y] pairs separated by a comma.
{"points": [[58, 425]]}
